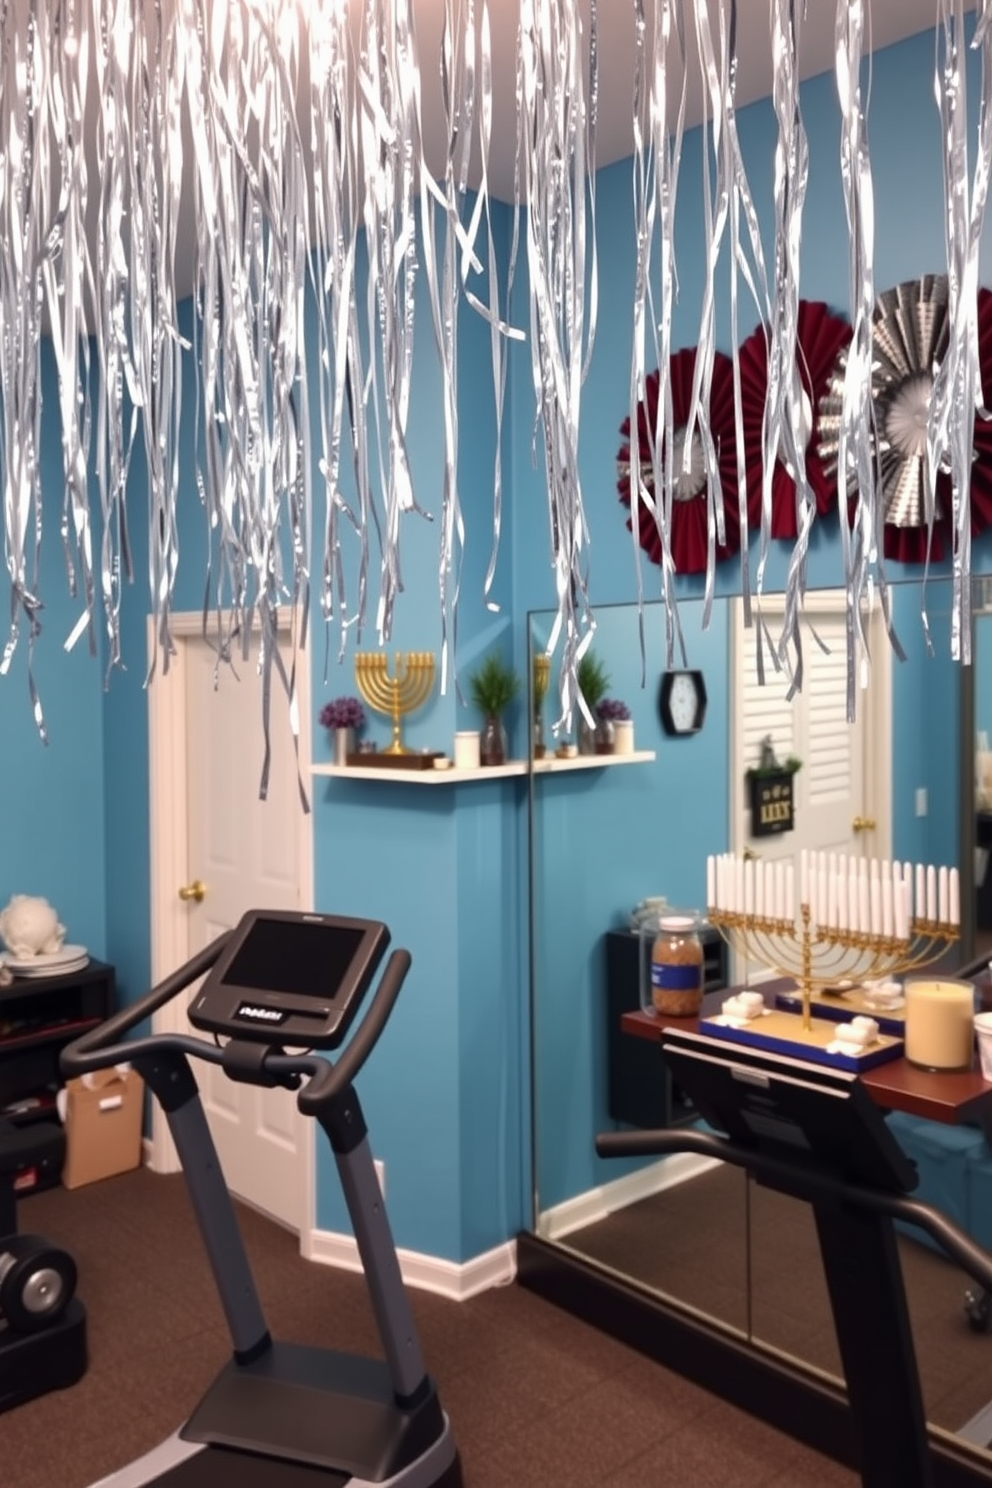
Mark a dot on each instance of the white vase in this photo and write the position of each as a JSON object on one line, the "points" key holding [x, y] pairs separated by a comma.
{"points": [[623, 736], [344, 744]]}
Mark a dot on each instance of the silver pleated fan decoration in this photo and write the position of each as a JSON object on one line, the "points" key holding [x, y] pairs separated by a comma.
{"points": [[909, 341]]}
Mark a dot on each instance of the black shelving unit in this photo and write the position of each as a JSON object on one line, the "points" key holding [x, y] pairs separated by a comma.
{"points": [[38, 1017], [640, 1091]]}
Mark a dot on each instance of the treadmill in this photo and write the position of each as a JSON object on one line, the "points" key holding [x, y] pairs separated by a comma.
{"points": [[814, 1132], [282, 1415]]}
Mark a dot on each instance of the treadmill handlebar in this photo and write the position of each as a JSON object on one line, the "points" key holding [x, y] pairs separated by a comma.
{"points": [[959, 1246], [101, 1047], [332, 1079], [89, 1052]]}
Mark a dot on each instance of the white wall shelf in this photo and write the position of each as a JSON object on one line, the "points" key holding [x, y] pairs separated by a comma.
{"points": [[453, 776], [550, 765]]}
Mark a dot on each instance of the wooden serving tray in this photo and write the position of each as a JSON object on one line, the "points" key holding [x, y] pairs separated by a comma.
{"points": [[421, 760], [783, 1033]]}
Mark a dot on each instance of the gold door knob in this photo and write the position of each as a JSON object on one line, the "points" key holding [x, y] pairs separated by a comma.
{"points": [[863, 824], [195, 891], [750, 856]]}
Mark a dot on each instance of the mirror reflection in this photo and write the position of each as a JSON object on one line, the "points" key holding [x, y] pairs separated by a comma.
{"points": [[635, 835]]}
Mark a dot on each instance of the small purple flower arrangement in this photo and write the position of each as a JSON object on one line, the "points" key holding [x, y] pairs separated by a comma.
{"points": [[343, 713], [612, 710]]}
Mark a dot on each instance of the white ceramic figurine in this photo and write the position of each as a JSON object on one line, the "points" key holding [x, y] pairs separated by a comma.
{"points": [[30, 927]]}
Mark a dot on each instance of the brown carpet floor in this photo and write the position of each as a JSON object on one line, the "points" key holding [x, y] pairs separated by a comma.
{"points": [[537, 1399]]}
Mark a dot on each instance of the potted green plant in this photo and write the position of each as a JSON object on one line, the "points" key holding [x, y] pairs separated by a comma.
{"points": [[492, 689], [594, 684]]}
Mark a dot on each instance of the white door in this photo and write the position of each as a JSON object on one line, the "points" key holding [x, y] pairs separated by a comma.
{"points": [[248, 854], [842, 789]]}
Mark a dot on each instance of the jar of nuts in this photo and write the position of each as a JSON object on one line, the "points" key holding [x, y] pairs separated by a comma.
{"points": [[677, 967]]}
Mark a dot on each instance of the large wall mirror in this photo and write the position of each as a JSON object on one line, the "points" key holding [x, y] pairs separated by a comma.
{"points": [[900, 783]]}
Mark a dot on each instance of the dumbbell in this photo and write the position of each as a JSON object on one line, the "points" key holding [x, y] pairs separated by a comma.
{"points": [[37, 1282]]}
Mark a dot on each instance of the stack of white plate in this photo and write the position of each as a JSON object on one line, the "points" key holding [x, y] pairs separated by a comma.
{"points": [[46, 964]]}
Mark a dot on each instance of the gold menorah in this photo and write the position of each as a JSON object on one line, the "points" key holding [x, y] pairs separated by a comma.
{"points": [[408, 688], [813, 949]]}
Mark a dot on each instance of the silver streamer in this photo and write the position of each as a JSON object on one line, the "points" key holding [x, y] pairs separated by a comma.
{"points": [[957, 383], [556, 96], [657, 157], [783, 422], [861, 541], [298, 139]]}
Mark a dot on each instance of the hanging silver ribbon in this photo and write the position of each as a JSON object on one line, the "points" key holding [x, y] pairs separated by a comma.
{"points": [[554, 120], [860, 544], [957, 387]]}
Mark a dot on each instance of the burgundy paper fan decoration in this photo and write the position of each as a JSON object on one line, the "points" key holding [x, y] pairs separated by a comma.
{"points": [[821, 336], [909, 337], [688, 535]]}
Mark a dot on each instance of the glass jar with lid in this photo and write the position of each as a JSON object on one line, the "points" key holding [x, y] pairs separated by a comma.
{"points": [[675, 985]]}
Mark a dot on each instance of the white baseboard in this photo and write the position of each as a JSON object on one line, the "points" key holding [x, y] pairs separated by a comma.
{"points": [[598, 1203], [452, 1279]]}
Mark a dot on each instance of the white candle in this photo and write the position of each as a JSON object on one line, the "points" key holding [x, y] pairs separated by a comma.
{"points": [[875, 894], [711, 898], [939, 1028], [931, 893], [907, 878], [780, 891], [804, 876], [739, 884], [823, 897], [759, 890], [887, 921], [920, 898], [954, 895], [790, 893], [749, 888], [943, 901], [864, 907], [832, 897]]}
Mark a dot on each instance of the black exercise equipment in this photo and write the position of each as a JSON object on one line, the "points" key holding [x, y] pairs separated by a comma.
{"points": [[281, 1414], [816, 1134], [42, 1322]]}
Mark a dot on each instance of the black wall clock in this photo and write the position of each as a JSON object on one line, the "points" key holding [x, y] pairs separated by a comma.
{"points": [[682, 702]]}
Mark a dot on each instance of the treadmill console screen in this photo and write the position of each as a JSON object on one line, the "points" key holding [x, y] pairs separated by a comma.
{"points": [[291, 979]]}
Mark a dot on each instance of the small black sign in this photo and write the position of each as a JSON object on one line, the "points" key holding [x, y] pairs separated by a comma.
{"points": [[772, 803]]}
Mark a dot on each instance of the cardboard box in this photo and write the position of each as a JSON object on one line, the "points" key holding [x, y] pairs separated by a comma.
{"points": [[103, 1125]]}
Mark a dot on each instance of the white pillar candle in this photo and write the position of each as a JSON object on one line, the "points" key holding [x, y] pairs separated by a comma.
{"points": [[887, 920], [954, 895], [711, 881], [943, 901], [931, 893], [939, 1027]]}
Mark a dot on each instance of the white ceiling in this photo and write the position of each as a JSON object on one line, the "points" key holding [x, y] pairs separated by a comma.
{"points": [[889, 21]]}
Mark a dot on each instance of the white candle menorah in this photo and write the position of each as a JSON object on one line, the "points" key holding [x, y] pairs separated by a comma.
{"points": [[856, 918]]}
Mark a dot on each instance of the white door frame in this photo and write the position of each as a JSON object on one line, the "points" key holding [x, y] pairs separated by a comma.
{"points": [[877, 698], [167, 787]]}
